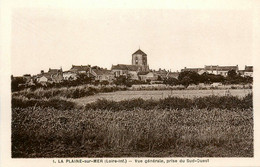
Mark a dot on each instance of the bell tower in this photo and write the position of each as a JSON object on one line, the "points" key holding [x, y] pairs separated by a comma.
{"points": [[139, 58]]}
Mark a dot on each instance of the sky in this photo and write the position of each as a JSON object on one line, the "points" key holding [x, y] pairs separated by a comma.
{"points": [[45, 38]]}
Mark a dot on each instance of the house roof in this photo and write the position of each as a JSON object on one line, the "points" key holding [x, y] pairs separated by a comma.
{"points": [[79, 68], [192, 69], [227, 68], [211, 67], [119, 67], [139, 51], [172, 74], [143, 73], [54, 71], [102, 72], [125, 67], [221, 68], [47, 75]]}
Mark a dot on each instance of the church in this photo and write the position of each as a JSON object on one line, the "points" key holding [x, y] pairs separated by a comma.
{"points": [[139, 64]]}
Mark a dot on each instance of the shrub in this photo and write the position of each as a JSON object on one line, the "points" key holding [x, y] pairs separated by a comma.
{"points": [[21, 102], [72, 92], [208, 102]]}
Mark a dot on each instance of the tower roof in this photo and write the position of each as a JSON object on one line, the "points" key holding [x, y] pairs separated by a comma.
{"points": [[139, 51]]}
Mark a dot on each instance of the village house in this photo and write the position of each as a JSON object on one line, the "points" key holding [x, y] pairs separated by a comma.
{"points": [[213, 69], [147, 76], [101, 74], [220, 70], [27, 77], [29, 80], [56, 75], [43, 78], [160, 74], [82, 69], [52, 76], [248, 71], [75, 71], [68, 75], [197, 70]]}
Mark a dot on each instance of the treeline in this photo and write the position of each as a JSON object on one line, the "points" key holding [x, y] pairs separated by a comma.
{"points": [[190, 77]]}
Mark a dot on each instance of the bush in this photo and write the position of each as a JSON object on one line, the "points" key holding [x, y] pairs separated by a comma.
{"points": [[21, 102], [208, 102], [72, 92]]}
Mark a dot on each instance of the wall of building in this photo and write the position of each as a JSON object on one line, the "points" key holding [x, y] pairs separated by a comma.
{"points": [[139, 59]]}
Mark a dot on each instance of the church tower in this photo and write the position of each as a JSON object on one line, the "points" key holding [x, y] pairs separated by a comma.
{"points": [[139, 58]]}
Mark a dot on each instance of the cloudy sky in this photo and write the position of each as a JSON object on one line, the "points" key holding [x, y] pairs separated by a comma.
{"points": [[45, 38]]}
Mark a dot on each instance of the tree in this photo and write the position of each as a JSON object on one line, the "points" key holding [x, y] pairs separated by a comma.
{"points": [[232, 74], [83, 79], [16, 83], [186, 81], [171, 81], [121, 80], [189, 77], [159, 78]]}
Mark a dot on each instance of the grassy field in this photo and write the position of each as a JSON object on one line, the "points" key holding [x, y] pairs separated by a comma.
{"points": [[159, 94], [46, 132], [211, 126]]}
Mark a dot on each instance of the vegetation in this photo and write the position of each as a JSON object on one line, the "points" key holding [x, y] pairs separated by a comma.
{"points": [[45, 123], [190, 77], [48, 132], [208, 102], [185, 78], [66, 92]]}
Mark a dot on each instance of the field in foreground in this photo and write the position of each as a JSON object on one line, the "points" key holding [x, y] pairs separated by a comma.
{"points": [[136, 132], [160, 94]]}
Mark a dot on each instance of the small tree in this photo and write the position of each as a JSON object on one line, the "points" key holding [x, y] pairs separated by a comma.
{"points": [[189, 77], [171, 81], [186, 81], [232, 74], [15, 82], [159, 78]]}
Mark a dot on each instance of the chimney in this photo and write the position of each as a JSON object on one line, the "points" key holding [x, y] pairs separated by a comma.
{"points": [[42, 71]]}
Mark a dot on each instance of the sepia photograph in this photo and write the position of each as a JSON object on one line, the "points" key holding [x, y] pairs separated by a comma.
{"points": [[132, 83]]}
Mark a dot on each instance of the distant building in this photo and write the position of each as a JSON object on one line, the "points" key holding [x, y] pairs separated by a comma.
{"points": [[81, 69], [192, 69], [139, 63], [213, 69], [69, 75], [52, 76], [248, 71], [145, 76], [27, 77], [101, 74], [220, 70]]}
